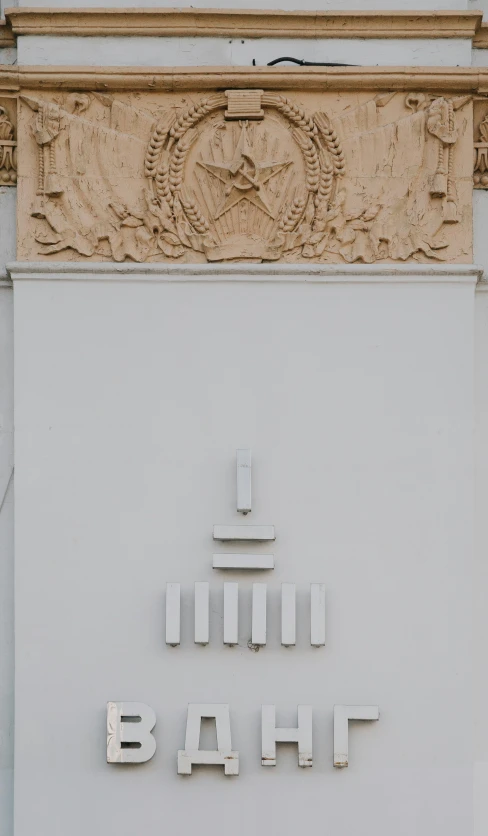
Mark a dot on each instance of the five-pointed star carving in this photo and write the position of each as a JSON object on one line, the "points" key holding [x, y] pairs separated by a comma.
{"points": [[244, 177]]}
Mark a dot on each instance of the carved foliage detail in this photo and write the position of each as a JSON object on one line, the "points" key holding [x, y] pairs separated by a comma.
{"points": [[8, 143]]}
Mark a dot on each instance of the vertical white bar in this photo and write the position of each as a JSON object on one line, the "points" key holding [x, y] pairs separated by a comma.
{"points": [[317, 614], [231, 613], [259, 591], [172, 614], [243, 458], [288, 614], [201, 612]]}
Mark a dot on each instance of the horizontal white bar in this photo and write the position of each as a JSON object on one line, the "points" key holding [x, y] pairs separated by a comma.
{"points": [[173, 613], [243, 561], [244, 532]]}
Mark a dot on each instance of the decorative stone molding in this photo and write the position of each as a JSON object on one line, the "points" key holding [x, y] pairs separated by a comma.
{"points": [[7, 38], [8, 142], [252, 23], [439, 80], [480, 40], [397, 275], [245, 175]]}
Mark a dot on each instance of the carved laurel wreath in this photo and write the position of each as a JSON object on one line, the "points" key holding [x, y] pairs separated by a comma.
{"points": [[185, 222]]}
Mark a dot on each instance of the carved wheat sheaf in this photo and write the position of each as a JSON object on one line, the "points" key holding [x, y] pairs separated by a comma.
{"points": [[295, 211], [193, 212], [332, 142], [178, 159], [326, 183], [293, 113], [193, 114], [156, 142]]}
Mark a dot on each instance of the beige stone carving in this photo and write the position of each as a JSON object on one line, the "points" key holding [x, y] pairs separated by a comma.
{"points": [[444, 81], [7, 38], [246, 175], [480, 157], [244, 104], [244, 23], [440, 123], [8, 142]]}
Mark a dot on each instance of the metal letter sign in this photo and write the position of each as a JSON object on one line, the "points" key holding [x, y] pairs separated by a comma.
{"points": [[129, 727], [130, 724], [223, 755]]}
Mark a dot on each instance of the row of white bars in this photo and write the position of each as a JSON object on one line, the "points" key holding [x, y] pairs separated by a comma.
{"points": [[259, 614]]}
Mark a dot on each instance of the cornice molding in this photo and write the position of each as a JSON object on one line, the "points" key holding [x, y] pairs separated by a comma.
{"points": [[468, 80], [252, 23], [396, 274], [7, 38], [480, 40]]}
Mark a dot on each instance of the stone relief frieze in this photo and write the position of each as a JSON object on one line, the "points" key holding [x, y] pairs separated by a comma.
{"points": [[245, 175], [8, 142]]}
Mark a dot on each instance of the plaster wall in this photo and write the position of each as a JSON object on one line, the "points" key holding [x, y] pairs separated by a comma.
{"points": [[6, 563], [8, 227], [480, 219], [482, 5], [8, 55], [481, 571], [7, 250], [479, 58], [201, 51], [356, 395]]}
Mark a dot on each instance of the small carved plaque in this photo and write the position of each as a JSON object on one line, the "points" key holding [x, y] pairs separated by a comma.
{"points": [[244, 104], [246, 175]]}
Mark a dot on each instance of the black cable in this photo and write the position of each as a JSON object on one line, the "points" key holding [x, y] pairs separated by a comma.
{"points": [[303, 63]]}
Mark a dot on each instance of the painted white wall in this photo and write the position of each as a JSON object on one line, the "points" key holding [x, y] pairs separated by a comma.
{"points": [[480, 219], [481, 5], [6, 563], [356, 396], [323, 5], [8, 198], [481, 569], [201, 51], [480, 58], [8, 56], [8, 226]]}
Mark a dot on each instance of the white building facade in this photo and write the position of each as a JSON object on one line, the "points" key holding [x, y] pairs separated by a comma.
{"points": [[243, 400]]}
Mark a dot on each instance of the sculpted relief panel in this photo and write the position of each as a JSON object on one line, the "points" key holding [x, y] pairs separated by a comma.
{"points": [[245, 175]]}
